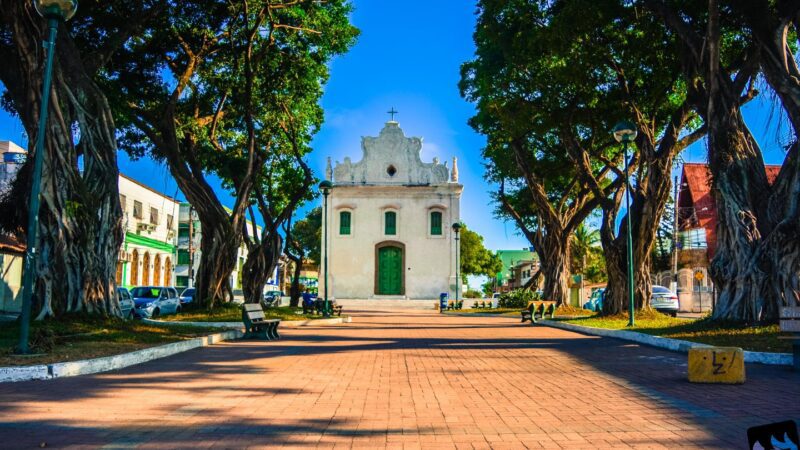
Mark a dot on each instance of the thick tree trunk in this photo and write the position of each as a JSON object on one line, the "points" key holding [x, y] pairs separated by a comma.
{"points": [[782, 247], [741, 194], [219, 248], [294, 291], [649, 200], [616, 297], [262, 257], [554, 258], [80, 228]]}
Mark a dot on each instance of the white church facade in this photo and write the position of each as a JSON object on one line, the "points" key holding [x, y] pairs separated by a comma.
{"points": [[389, 222]]}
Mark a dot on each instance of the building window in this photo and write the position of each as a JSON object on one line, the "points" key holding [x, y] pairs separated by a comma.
{"points": [[436, 223], [123, 203], [169, 221], [390, 222], [137, 209], [153, 216], [183, 257], [344, 223], [181, 281], [183, 231]]}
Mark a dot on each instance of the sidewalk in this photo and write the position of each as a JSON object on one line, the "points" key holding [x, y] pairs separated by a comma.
{"points": [[403, 379]]}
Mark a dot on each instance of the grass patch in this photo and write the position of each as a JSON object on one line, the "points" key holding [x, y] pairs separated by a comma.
{"points": [[724, 334], [233, 313], [569, 310], [73, 338]]}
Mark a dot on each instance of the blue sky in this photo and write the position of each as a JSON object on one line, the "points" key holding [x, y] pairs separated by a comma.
{"points": [[408, 57]]}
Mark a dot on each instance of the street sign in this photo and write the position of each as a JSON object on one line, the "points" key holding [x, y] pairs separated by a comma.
{"points": [[699, 275]]}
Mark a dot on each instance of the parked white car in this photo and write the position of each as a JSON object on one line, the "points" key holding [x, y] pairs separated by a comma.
{"points": [[126, 304], [663, 300]]}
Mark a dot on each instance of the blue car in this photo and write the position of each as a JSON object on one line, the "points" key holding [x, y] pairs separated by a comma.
{"points": [[187, 296], [595, 302]]}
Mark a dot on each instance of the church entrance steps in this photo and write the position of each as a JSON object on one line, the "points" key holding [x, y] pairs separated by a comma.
{"points": [[385, 302]]}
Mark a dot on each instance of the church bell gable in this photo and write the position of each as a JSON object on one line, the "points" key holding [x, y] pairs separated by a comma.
{"points": [[391, 158]]}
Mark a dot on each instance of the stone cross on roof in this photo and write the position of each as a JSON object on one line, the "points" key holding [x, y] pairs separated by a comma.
{"points": [[392, 112]]}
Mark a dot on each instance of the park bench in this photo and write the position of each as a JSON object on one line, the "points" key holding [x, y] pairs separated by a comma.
{"points": [[453, 305], [539, 308], [256, 325], [790, 323]]}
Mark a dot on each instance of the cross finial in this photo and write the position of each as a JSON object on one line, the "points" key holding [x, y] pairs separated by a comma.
{"points": [[392, 112]]}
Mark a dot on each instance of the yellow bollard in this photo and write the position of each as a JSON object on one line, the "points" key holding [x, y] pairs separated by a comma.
{"points": [[723, 365]]}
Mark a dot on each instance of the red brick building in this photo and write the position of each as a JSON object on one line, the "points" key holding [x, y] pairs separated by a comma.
{"points": [[697, 212]]}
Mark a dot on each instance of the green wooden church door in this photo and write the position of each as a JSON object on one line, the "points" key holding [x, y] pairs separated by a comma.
{"points": [[390, 271]]}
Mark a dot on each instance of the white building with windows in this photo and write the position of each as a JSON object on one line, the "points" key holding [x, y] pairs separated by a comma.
{"points": [[147, 257], [389, 222]]}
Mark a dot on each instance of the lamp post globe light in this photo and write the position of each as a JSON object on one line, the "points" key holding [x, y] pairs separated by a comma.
{"points": [[457, 230], [625, 133], [60, 9], [55, 11], [325, 188]]}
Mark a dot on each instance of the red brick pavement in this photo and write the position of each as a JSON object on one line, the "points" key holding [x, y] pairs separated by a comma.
{"points": [[405, 379]]}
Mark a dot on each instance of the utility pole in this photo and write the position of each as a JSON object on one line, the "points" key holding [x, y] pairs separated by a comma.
{"points": [[191, 247], [675, 242]]}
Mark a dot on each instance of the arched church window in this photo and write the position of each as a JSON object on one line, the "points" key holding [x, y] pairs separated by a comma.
{"points": [[390, 222], [436, 223], [344, 223]]}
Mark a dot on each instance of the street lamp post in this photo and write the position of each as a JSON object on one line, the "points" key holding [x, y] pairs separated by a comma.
{"points": [[457, 230], [325, 187], [625, 132], [55, 11]]}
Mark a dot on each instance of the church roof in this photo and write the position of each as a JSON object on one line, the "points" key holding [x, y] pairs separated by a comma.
{"points": [[391, 158]]}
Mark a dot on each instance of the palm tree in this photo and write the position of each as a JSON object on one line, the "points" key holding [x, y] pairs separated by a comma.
{"points": [[583, 241]]}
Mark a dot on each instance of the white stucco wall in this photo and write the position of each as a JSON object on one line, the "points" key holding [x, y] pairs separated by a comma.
{"points": [[367, 191], [164, 231]]}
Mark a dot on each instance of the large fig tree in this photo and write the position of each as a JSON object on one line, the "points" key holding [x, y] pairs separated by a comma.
{"points": [[205, 93], [80, 226]]}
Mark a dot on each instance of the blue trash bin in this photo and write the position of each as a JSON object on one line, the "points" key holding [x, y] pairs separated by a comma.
{"points": [[443, 301]]}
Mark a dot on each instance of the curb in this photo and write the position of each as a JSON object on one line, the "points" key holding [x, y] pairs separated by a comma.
{"points": [[675, 345], [108, 363], [283, 324]]}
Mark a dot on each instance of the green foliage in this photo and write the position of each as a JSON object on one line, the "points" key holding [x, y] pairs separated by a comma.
{"points": [[471, 293], [488, 287], [475, 258], [661, 254], [308, 234], [518, 298], [587, 256]]}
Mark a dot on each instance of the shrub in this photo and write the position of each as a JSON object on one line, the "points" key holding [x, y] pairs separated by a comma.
{"points": [[471, 293], [518, 298]]}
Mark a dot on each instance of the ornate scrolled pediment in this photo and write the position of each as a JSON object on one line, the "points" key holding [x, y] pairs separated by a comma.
{"points": [[391, 158]]}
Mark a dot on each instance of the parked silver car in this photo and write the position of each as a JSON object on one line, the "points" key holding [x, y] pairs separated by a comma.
{"points": [[153, 301], [663, 300], [126, 304]]}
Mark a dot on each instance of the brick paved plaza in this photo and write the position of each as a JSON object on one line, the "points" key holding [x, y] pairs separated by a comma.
{"points": [[409, 379]]}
